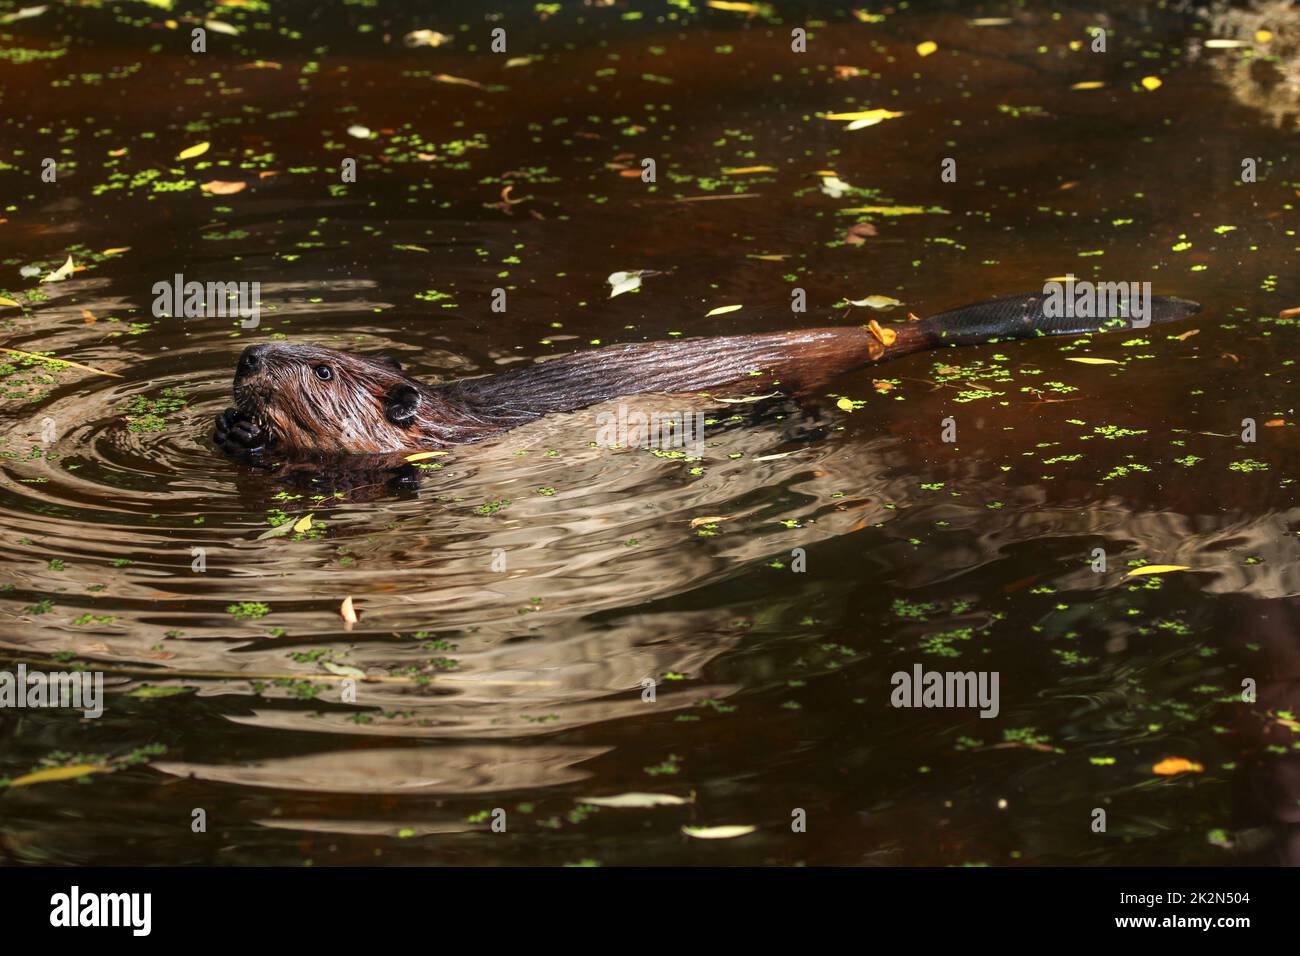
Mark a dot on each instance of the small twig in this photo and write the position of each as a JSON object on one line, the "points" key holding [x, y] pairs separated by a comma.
{"points": [[50, 358], [712, 198]]}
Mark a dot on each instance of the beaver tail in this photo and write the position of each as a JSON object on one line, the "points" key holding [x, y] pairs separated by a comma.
{"points": [[1023, 316], [782, 362]]}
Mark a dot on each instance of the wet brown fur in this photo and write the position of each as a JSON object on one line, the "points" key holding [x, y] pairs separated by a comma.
{"points": [[368, 406], [348, 414]]}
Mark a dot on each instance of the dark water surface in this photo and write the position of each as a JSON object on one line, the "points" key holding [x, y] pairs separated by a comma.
{"points": [[521, 689]]}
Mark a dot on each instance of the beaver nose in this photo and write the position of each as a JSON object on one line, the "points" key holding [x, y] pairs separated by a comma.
{"points": [[250, 361]]}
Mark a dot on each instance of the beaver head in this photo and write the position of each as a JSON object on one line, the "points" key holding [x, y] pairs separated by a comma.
{"points": [[310, 398]]}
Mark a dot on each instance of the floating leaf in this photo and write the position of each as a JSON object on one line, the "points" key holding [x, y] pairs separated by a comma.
{"points": [[866, 117], [52, 774], [625, 801], [845, 404], [458, 81], [282, 528], [197, 150], [347, 612], [221, 188], [711, 519], [887, 210], [422, 455], [875, 302], [885, 336], [1171, 766], [10, 303], [746, 170], [23, 13], [718, 833], [1088, 85], [926, 48], [427, 38], [1083, 360], [343, 670], [621, 282], [834, 187], [152, 693], [359, 131], [1151, 83], [221, 26], [1157, 569], [303, 523], [723, 309], [61, 273]]}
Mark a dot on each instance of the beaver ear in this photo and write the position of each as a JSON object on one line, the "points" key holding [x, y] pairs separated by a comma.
{"points": [[388, 360], [401, 403]]}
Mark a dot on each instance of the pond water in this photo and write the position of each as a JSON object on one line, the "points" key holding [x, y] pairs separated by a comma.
{"points": [[512, 604]]}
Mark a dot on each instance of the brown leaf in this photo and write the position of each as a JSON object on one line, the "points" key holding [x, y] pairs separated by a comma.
{"points": [[858, 233], [886, 336], [220, 188]]}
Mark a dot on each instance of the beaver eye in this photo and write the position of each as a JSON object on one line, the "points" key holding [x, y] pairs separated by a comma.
{"points": [[324, 373]]}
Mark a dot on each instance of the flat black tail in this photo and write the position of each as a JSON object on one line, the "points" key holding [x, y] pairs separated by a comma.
{"points": [[1026, 316]]}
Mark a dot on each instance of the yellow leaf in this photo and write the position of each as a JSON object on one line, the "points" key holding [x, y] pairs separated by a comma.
{"points": [[1263, 36], [347, 612], [457, 80], [634, 800], [1093, 361], [746, 170], [845, 404], [872, 116], [196, 150], [117, 251], [1157, 569], [426, 38], [1175, 765], [422, 455], [884, 210], [1151, 83], [303, 523], [722, 309], [711, 519], [875, 302], [1088, 85], [59, 773], [733, 7], [718, 833], [61, 273], [10, 303], [926, 48]]}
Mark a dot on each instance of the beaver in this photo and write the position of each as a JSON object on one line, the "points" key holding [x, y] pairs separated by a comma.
{"points": [[296, 399]]}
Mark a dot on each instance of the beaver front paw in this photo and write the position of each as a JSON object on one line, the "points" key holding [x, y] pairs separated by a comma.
{"points": [[238, 435]]}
